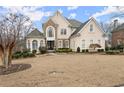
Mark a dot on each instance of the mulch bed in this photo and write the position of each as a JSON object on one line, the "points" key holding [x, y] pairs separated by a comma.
{"points": [[14, 68]]}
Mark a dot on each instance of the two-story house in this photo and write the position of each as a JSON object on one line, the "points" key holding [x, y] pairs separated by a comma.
{"points": [[61, 32]]}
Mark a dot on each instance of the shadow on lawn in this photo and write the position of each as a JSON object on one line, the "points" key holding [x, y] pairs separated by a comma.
{"points": [[14, 68], [120, 85]]}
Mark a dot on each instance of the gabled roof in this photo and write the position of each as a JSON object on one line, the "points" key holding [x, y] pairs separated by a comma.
{"points": [[79, 28], [74, 23], [35, 33]]}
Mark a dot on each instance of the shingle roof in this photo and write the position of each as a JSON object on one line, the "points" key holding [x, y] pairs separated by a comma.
{"points": [[79, 28], [74, 23], [36, 33]]}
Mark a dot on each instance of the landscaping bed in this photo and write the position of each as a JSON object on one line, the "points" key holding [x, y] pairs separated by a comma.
{"points": [[14, 68]]}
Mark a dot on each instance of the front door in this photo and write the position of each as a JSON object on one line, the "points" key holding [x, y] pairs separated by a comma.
{"points": [[50, 45]]}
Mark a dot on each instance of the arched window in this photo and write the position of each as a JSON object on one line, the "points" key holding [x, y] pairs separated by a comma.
{"points": [[34, 44], [41, 43], [50, 32]]}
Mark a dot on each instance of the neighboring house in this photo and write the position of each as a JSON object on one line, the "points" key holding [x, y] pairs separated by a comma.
{"points": [[61, 32], [34, 40], [118, 35]]}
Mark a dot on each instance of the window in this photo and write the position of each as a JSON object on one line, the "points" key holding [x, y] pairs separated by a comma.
{"points": [[63, 32], [119, 42], [91, 41], [28, 44], [60, 43], [34, 44], [50, 32], [91, 28], [83, 43], [99, 42], [66, 44], [41, 43]]}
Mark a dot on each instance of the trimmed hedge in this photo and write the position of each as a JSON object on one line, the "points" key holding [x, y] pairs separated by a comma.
{"points": [[100, 50], [64, 50], [23, 54], [85, 50], [112, 52]]}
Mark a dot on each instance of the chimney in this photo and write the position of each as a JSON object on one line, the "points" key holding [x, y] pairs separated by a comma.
{"points": [[57, 12], [115, 23]]}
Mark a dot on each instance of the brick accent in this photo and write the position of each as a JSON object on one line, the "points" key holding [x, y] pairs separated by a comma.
{"points": [[117, 35]]}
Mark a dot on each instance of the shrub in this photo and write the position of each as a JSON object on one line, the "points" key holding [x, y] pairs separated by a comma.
{"points": [[86, 50], [78, 49], [42, 50], [112, 52], [107, 48], [34, 51], [17, 54], [64, 50], [24, 54], [83, 50], [100, 50]]}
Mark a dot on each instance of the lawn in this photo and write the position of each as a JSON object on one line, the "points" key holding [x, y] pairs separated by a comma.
{"points": [[68, 70]]}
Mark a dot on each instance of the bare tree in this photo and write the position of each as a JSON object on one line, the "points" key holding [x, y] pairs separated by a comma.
{"points": [[12, 28]]}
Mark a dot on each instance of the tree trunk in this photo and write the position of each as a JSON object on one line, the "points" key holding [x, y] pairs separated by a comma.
{"points": [[10, 56], [1, 57], [6, 58]]}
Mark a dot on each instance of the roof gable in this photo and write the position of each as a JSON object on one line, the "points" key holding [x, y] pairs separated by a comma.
{"points": [[35, 33], [78, 30]]}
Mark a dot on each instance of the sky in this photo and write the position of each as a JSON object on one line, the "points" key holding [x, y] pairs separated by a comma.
{"points": [[39, 14]]}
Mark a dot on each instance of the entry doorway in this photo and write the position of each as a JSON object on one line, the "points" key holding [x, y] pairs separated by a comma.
{"points": [[50, 45]]}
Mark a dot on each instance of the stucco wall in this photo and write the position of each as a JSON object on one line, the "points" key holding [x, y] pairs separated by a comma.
{"points": [[38, 41], [62, 23], [86, 35]]}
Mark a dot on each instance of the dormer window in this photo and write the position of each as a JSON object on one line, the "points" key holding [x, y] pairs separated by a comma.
{"points": [[91, 28], [63, 31]]}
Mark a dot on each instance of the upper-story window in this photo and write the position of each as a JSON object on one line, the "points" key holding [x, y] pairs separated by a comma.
{"points": [[50, 32], [63, 31], [91, 27]]}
